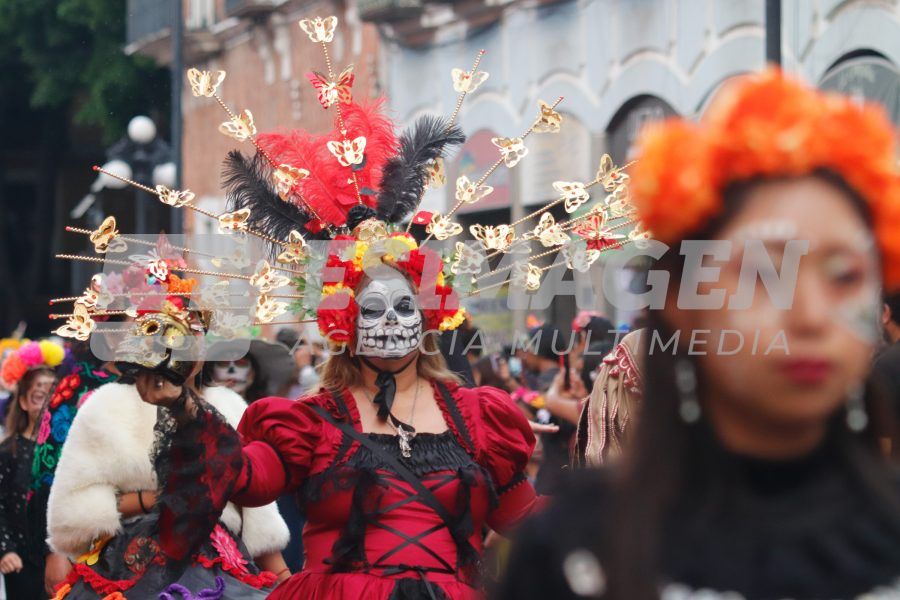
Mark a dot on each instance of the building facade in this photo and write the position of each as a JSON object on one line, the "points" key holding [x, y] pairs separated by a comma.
{"points": [[618, 64]]}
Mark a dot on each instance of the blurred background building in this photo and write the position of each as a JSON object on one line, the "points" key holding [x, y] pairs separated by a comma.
{"points": [[618, 63]]}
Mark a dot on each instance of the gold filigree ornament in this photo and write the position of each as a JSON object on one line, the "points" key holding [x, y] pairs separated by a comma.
{"points": [[618, 203], [79, 325], [609, 175], [295, 250], [550, 121], [176, 198], [229, 325], [285, 177], [265, 279], [465, 82], [640, 237], [442, 227], [574, 194], [319, 29], [493, 237], [329, 91], [512, 150], [234, 221], [525, 274], [579, 258], [437, 173], [469, 192], [267, 309], [370, 230], [105, 238], [241, 127], [348, 152], [466, 260], [549, 233], [204, 83]]}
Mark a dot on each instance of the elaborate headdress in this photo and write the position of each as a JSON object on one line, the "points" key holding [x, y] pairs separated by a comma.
{"points": [[358, 190], [769, 125], [28, 356]]}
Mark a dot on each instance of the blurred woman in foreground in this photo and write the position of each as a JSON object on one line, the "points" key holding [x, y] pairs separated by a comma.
{"points": [[754, 473]]}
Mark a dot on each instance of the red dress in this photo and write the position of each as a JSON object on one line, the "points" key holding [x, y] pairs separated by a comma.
{"points": [[370, 532]]}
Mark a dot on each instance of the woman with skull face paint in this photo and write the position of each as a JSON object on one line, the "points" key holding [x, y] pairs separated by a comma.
{"points": [[751, 474]]}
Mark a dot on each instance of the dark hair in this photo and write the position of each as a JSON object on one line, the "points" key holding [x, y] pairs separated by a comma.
{"points": [[893, 303], [591, 360], [486, 368], [549, 341], [597, 330], [16, 418], [654, 471]]}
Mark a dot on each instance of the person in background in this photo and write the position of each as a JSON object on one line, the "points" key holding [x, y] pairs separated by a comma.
{"points": [[887, 362], [752, 474], [612, 405], [29, 373], [79, 375], [493, 370]]}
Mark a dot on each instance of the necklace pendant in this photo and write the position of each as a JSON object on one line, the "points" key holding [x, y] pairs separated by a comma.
{"points": [[404, 439]]}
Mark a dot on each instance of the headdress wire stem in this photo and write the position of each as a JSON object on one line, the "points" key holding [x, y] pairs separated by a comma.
{"points": [[126, 263], [496, 165], [453, 117]]}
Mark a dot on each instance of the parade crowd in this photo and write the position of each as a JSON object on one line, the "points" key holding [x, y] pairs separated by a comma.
{"points": [[405, 457]]}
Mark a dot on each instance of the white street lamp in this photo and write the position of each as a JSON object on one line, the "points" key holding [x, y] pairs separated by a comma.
{"points": [[141, 130]]}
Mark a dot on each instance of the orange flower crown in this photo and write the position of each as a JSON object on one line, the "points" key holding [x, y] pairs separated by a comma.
{"points": [[768, 125]]}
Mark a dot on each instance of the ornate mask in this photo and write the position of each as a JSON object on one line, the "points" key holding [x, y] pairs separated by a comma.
{"points": [[237, 375], [389, 324]]}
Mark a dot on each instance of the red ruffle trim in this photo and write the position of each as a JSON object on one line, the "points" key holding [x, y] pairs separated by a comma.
{"points": [[98, 583], [264, 579]]}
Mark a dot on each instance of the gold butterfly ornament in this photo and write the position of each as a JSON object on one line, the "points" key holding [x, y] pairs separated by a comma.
{"points": [[265, 279], [176, 198], [465, 82], [319, 29], [348, 152], [234, 221], [512, 150], [329, 91], [105, 237], [241, 127], [204, 83], [573, 192], [579, 258], [469, 192], [267, 309], [442, 227], [285, 177], [79, 325], [466, 260], [549, 121], [437, 174], [526, 275], [493, 237], [549, 233], [295, 250]]}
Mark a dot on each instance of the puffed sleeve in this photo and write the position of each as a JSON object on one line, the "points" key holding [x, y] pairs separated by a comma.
{"points": [[279, 437], [505, 443]]}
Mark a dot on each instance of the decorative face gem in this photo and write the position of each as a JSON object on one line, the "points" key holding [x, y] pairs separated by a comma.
{"points": [[319, 29], [492, 237], [329, 91], [389, 324], [466, 260], [574, 193], [348, 152], [442, 227], [234, 221], [295, 249], [465, 82], [174, 198], [79, 326], [285, 177], [204, 83], [549, 233], [468, 192], [265, 279], [549, 121], [512, 150]]}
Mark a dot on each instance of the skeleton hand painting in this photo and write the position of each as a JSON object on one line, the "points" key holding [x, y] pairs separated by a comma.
{"points": [[389, 323]]}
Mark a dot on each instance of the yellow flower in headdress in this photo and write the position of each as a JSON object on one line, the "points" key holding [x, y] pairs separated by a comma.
{"points": [[454, 321], [328, 290]]}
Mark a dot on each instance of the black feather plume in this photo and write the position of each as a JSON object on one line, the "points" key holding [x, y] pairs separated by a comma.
{"points": [[247, 182], [404, 177]]}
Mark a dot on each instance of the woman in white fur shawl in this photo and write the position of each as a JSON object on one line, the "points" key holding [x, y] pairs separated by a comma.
{"points": [[101, 509]]}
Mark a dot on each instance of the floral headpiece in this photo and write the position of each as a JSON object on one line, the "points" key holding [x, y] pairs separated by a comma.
{"points": [[28, 356], [768, 125]]}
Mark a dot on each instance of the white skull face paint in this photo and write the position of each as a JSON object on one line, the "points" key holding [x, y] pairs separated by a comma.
{"points": [[236, 375], [389, 323]]}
